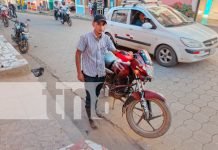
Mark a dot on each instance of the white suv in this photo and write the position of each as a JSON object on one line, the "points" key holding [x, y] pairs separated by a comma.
{"points": [[166, 33]]}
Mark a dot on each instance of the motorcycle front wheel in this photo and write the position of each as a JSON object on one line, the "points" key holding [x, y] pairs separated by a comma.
{"points": [[152, 124], [69, 22], [6, 22], [23, 46]]}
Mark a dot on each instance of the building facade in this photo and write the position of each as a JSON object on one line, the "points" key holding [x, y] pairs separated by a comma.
{"points": [[206, 10]]}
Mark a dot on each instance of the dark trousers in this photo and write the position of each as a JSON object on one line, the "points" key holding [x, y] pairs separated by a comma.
{"points": [[93, 86]]}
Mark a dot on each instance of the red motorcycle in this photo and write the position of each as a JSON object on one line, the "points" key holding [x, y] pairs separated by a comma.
{"points": [[146, 111], [4, 16]]}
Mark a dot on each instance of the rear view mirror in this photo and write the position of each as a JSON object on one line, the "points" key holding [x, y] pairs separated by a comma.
{"points": [[147, 25]]}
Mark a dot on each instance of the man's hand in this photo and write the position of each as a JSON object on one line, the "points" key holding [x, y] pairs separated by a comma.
{"points": [[80, 77]]}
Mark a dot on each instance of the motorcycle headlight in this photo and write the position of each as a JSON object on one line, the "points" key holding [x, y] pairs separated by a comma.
{"points": [[149, 70], [191, 43]]}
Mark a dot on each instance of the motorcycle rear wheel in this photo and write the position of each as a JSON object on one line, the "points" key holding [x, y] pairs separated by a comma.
{"points": [[137, 127], [23, 46]]}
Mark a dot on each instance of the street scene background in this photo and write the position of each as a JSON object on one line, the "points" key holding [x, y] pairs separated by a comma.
{"points": [[191, 90]]}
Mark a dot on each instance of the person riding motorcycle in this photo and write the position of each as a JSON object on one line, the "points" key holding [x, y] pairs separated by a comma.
{"points": [[56, 9], [12, 9], [64, 9]]}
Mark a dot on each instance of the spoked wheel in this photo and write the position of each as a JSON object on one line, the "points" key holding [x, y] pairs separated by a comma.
{"points": [[23, 46], [152, 124], [6, 22]]}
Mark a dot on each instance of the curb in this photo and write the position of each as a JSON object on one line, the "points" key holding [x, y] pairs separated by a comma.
{"points": [[12, 62], [49, 14]]}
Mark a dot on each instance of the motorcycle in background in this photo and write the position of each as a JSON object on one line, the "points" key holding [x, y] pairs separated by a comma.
{"points": [[146, 111], [12, 13], [66, 17], [56, 14], [4, 16], [20, 36]]}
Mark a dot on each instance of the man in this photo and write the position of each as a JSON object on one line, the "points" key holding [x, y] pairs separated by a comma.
{"points": [[90, 7], [94, 8], [141, 20], [64, 8], [12, 8], [56, 9], [92, 47]]}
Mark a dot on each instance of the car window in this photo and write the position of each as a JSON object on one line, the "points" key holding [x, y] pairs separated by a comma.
{"points": [[168, 16], [135, 18], [120, 16]]}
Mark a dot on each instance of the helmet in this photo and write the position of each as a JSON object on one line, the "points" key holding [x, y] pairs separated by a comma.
{"points": [[117, 65], [124, 56], [142, 65]]}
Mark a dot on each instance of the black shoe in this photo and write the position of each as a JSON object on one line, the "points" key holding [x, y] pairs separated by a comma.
{"points": [[92, 124], [99, 114]]}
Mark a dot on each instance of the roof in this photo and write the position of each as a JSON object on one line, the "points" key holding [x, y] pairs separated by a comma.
{"points": [[140, 5]]}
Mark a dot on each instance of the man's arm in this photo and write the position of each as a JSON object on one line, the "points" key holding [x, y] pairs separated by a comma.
{"points": [[78, 66], [80, 49]]}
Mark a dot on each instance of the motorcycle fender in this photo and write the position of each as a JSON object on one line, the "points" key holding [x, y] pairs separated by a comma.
{"points": [[148, 94], [135, 96]]}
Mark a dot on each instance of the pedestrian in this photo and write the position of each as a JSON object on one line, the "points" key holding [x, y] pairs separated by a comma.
{"points": [[40, 7], [12, 9], [90, 7], [94, 8], [90, 63]]}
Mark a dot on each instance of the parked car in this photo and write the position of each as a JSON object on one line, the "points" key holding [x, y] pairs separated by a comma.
{"points": [[167, 34]]}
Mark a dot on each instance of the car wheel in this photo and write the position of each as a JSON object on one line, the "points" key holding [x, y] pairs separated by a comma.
{"points": [[166, 56], [111, 38]]}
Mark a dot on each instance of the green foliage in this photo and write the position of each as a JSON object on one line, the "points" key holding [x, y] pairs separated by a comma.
{"points": [[184, 8]]}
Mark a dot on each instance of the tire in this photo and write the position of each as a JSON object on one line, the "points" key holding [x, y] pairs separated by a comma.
{"points": [[108, 34], [149, 134], [23, 47], [6, 22], [166, 56], [69, 22], [56, 18]]}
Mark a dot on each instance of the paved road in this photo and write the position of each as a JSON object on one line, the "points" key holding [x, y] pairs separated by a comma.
{"points": [[191, 89]]}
